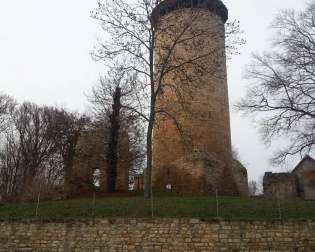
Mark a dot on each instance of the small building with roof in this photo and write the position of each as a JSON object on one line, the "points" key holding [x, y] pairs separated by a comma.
{"points": [[300, 183]]}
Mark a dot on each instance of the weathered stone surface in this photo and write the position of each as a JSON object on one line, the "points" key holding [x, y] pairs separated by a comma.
{"points": [[280, 185], [138, 182], [202, 148], [305, 174], [309, 185], [299, 183], [91, 156], [157, 235], [241, 178]]}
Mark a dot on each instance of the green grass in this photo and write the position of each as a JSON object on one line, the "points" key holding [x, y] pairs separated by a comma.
{"points": [[166, 206]]}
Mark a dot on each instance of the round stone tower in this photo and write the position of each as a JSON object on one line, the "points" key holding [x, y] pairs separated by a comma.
{"points": [[191, 139]]}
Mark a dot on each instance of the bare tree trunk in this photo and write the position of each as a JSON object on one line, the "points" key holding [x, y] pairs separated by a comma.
{"points": [[148, 171]]}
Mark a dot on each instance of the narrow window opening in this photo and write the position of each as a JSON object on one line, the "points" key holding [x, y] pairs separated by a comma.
{"points": [[96, 177]]}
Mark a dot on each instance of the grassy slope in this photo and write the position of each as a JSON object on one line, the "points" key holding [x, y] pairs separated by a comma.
{"points": [[166, 206]]}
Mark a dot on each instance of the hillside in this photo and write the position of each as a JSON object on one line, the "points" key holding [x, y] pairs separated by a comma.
{"points": [[231, 208]]}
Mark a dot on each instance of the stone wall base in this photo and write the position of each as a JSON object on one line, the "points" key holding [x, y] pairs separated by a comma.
{"points": [[157, 235]]}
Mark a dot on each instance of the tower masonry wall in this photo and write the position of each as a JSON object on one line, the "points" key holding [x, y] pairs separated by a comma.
{"points": [[192, 142]]}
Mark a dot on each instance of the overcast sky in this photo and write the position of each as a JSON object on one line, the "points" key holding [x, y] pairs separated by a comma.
{"points": [[44, 58]]}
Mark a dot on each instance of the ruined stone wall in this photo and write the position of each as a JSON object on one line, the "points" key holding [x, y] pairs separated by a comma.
{"points": [[91, 155], [309, 185], [280, 185], [299, 183], [241, 177], [199, 105], [103, 235]]}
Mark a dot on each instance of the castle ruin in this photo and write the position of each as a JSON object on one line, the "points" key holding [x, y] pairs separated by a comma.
{"points": [[191, 154], [89, 168]]}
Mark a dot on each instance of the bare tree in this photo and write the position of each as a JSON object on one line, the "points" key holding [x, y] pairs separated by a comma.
{"points": [[37, 147], [10, 168], [108, 100], [37, 137], [7, 105], [282, 92], [131, 28], [27, 149], [69, 127]]}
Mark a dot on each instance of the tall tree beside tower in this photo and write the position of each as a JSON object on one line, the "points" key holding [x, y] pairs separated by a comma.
{"points": [[109, 99], [113, 140]]}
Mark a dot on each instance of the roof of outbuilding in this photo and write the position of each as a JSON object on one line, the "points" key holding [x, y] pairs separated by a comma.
{"points": [[307, 157], [278, 175]]}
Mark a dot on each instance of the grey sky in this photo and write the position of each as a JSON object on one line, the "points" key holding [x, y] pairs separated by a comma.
{"points": [[44, 58]]}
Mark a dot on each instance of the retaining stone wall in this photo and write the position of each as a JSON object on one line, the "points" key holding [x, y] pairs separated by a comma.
{"points": [[156, 235]]}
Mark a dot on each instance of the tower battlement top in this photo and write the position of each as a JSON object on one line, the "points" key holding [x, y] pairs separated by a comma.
{"points": [[167, 6]]}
